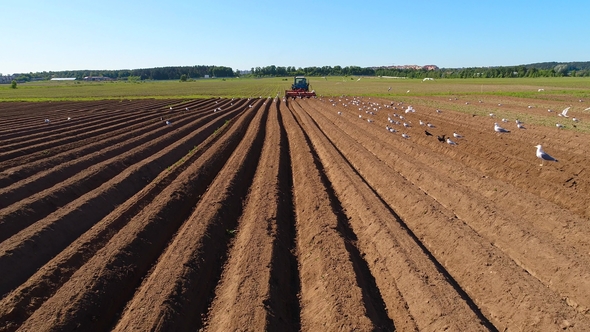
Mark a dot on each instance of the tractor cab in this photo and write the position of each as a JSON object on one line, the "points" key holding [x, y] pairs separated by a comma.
{"points": [[300, 82]]}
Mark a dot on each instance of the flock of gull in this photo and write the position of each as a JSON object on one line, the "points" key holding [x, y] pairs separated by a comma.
{"points": [[369, 109], [398, 122]]}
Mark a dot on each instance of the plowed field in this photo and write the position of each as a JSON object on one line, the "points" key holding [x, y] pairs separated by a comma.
{"points": [[262, 214]]}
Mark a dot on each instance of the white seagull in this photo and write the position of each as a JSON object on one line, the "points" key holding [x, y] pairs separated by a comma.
{"points": [[559, 125], [450, 142], [168, 122], [499, 129], [564, 112], [457, 135], [404, 135], [541, 154]]}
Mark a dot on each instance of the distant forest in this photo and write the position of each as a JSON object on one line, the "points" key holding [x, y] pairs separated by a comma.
{"points": [[160, 73], [544, 69]]}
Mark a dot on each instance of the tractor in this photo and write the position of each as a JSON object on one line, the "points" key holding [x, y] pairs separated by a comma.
{"points": [[300, 88]]}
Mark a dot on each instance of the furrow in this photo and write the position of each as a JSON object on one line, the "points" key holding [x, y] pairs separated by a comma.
{"points": [[495, 283], [418, 296], [330, 295], [554, 259], [107, 281], [179, 290], [35, 245], [19, 304], [243, 296]]}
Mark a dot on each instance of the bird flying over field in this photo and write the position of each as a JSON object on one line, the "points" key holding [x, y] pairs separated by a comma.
{"points": [[499, 129], [564, 112], [541, 154]]}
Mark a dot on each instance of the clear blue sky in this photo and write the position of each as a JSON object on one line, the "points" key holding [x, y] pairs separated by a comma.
{"points": [[40, 35]]}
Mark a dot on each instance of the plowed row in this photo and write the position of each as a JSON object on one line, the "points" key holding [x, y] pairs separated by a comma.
{"points": [[287, 215]]}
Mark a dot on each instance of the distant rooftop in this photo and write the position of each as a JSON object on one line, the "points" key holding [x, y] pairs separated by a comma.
{"points": [[63, 79]]}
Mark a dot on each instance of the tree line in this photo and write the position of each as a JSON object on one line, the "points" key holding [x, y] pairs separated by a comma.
{"points": [[545, 69], [158, 73], [557, 70]]}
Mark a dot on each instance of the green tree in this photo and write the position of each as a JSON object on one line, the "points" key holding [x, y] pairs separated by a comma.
{"points": [[13, 84], [183, 78]]}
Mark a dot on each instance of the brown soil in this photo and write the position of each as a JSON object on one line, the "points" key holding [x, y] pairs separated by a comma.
{"points": [[286, 215]]}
